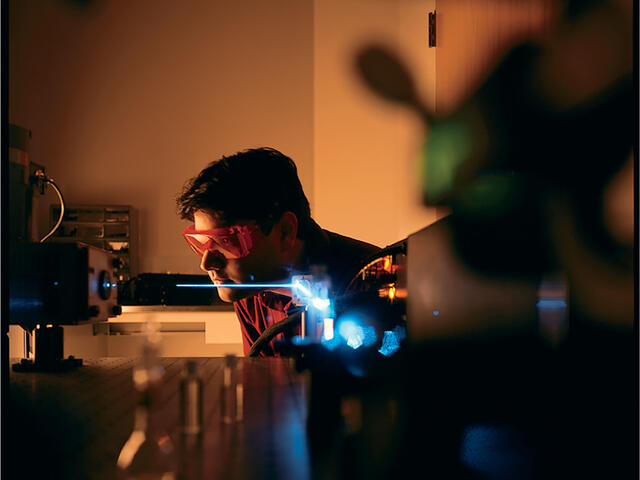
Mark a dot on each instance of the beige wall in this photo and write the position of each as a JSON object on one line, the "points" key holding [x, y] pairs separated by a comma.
{"points": [[365, 150], [474, 35], [126, 100]]}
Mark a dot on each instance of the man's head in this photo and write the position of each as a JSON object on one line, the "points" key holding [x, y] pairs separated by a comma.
{"points": [[257, 191]]}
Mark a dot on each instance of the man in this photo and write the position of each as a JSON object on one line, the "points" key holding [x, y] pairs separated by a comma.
{"points": [[252, 225]]}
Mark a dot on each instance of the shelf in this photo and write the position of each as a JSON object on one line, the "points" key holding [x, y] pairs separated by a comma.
{"points": [[109, 227]]}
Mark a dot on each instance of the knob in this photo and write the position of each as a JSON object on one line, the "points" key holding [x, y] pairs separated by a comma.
{"points": [[94, 310], [116, 310]]}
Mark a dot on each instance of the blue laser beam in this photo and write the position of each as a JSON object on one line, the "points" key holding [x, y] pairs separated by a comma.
{"points": [[302, 288], [236, 285]]}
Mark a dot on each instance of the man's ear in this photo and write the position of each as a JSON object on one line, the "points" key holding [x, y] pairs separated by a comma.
{"points": [[288, 229]]}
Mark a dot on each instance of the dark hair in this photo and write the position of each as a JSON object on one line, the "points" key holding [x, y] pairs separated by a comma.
{"points": [[256, 184]]}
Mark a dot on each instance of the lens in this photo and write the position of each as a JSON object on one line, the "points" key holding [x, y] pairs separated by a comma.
{"points": [[230, 245], [196, 246], [232, 242]]}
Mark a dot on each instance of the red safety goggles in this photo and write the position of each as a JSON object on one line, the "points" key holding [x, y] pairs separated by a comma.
{"points": [[233, 242]]}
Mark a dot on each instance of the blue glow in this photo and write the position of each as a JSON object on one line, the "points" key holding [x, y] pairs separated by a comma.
{"points": [[436, 312], [302, 288], [390, 344], [236, 285], [56, 283], [106, 285], [391, 341], [25, 303], [298, 340], [551, 304], [321, 303], [355, 334], [332, 343], [497, 451]]}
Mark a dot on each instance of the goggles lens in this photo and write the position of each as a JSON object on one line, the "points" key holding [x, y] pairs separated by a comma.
{"points": [[232, 242]]}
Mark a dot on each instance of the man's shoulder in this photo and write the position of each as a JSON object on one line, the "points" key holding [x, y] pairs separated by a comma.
{"points": [[345, 257], [348, 246]]}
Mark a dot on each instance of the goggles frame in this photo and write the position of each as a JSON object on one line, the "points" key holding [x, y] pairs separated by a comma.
{"points": [[235, 241]]}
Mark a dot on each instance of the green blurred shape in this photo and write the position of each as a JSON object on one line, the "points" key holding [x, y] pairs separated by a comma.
{"points": [[490, 196], [446, 148]]}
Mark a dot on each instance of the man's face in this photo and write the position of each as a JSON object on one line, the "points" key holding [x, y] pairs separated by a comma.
{"points": [[262, 264]]}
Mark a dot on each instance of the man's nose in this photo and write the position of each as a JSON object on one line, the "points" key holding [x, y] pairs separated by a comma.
{"points": [[212, 261]]}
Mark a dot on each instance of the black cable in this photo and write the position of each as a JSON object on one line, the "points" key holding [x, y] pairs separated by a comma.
{"points": [[399, 247], [273, 330]]}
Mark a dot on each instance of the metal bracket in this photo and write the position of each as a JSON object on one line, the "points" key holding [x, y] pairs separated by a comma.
{"points": [[432, 29]]}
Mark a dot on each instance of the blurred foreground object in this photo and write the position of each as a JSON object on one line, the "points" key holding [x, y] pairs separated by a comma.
{"points": [[527, 162], [521, 303], [149, 451]]}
